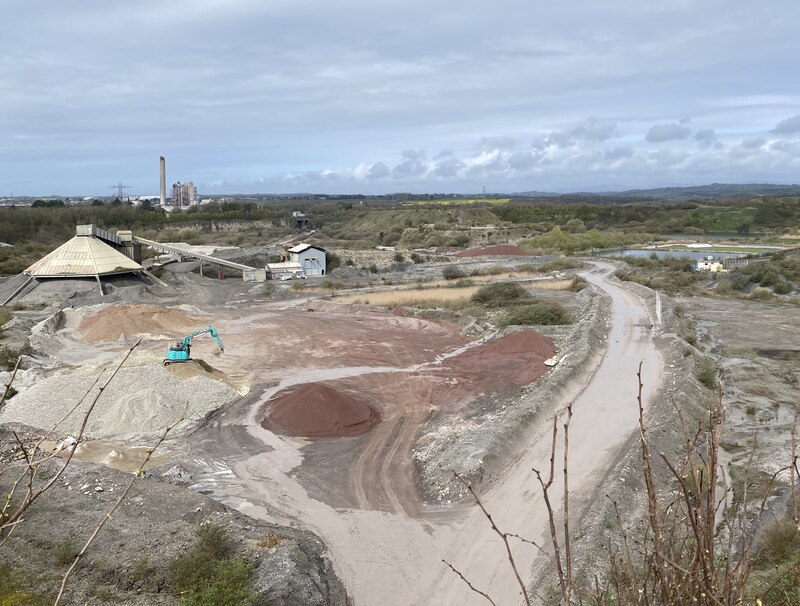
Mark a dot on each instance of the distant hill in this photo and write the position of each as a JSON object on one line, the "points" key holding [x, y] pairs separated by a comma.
{"points": [[714, 190]]}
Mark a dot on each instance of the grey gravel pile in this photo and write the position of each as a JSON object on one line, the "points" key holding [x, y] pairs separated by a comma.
{"points": [[140, 402]]}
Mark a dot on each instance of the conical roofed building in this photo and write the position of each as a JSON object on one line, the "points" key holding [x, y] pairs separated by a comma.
{"points": [[81, 257]]}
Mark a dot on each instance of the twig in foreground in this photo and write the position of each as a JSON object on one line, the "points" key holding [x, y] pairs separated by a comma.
{"points": [[470, 585], [107, 517]]}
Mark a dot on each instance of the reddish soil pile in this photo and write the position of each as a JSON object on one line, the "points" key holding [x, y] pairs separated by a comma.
{"points": [[517, 358], [130, 321], [316, 410], [501, 250]]}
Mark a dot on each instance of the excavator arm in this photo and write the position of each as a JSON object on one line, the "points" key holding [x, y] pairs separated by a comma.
{"points": [[181, 351], [210, 330]]}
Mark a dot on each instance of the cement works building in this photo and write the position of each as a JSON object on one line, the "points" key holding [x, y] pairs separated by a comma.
{"points": [[184, 194]]}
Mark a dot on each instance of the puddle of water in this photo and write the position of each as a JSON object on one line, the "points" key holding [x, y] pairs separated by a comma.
{"points": [[111, 454]]}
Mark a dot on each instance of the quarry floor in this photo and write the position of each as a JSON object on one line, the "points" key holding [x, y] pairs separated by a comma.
{"points": [[355, 487], [352, 483], [357, 492]]}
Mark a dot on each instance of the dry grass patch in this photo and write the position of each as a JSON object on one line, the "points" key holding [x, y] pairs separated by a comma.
{"points": [[418, 297]]}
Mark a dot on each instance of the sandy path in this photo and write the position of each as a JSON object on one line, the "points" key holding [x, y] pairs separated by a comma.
{"points": [[605, 413], [395, 557]]}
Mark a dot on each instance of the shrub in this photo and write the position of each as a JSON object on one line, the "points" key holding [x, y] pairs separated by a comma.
{"points": [[706, 373], [210, 575], [577, 284], [64, 551], [452, 272], [398, 257], [780, 542], [761, 294], [541, 313], [9, 355], [724, 286], [500, 294], [332, 261], [558, 265], [464, 283], [782, 288], [14, 590], [416, 258]]}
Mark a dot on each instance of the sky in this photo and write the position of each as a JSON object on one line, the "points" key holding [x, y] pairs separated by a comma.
{"points": [[281, 96]]}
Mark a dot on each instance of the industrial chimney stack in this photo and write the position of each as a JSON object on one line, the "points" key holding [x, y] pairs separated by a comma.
{"points": [[163, 164]]}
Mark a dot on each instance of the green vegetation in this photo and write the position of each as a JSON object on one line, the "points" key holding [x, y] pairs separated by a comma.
{"points": [[734, 216], [452, 272], [211, 574], [578, 284], [706, 372], [761, 294], [458, 202], [673, 276], [557, 265], [522, 309], [16, 590], [542, 313], [558, 240], [5, 316], [500, 294], [9, 355]]}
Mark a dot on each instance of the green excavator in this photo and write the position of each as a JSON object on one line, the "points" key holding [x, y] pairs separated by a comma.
{"points": [[180, 351]]}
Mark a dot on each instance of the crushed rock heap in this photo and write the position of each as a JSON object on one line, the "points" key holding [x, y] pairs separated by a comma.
{"points": [[140, 402], [317, 410]]}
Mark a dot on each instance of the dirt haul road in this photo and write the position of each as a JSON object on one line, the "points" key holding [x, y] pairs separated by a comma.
{"points": [[395, 557]]}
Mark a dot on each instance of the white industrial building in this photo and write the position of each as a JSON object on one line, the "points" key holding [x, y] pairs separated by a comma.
{"points": [[276, 271], [311, 259]]}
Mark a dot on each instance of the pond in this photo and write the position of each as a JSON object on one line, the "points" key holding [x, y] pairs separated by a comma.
{"points": [[695, 255]]}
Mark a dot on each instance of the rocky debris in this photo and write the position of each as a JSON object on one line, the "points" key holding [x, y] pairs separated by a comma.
{"points": [[177, 475], [129, 561], [287, 575]]}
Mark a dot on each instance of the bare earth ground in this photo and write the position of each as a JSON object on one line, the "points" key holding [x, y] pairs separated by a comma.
{"points": [[757, 345], [385, 544], [358, 493]]}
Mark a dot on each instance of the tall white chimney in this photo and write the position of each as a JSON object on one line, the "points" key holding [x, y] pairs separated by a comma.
{"points": [[163, 164]]}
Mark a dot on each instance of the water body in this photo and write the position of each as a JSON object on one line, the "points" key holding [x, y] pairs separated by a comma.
{"points": [[670, 254]]}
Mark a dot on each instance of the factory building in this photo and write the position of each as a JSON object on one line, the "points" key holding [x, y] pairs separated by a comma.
{"points": [[184, 194], [311, 259]]}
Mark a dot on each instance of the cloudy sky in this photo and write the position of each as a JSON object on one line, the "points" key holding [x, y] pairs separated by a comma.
{"points": [[388, 95]]}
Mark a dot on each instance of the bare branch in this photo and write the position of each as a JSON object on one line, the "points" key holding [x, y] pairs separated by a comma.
{"points": [[119, 501], [501, 534], [470, 585], [10, 382]]}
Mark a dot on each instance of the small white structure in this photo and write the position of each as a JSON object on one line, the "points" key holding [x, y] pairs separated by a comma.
{"points": [[276, 271], [710, 265], [311, 259]]}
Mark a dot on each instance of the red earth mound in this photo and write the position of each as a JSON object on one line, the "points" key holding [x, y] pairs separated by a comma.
{"points": [[501, 250], [517, 358], [316, 410]]}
